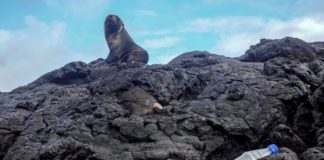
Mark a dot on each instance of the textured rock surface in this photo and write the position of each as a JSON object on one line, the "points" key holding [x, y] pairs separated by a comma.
{"points": [[214, 108], [319, 48], [292, 48]]}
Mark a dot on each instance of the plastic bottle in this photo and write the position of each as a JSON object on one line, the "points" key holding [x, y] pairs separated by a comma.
{"points": [[259, 153]]}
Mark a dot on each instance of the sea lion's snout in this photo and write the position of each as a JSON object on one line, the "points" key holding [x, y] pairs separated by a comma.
{"points": [[112, 24], [111, 18]]}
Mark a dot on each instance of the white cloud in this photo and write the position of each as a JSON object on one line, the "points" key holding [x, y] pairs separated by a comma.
{"points": [[236, 34], [308, 28], [28, 53], [163, 42], [223, 24], [165, 56], [163, 59], [235, 44]]}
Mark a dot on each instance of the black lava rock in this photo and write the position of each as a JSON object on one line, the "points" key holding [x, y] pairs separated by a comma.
{"points": [[213, 108]]}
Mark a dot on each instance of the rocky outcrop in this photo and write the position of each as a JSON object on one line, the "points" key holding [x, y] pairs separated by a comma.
{"points": [[213, 108], [291, 48], [319, 48]]}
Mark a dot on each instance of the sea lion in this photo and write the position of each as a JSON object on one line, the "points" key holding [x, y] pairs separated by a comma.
{"points": [[138, 101], [122, 47]]}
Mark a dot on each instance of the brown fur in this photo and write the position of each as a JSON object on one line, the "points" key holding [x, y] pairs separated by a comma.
{"points": [[138, 101], [122, 47]]}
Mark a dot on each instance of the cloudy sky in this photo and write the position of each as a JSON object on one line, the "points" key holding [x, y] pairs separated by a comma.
{"points": [[38, 36]]}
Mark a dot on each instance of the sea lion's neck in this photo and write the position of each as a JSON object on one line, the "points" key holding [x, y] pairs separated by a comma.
{"points": [[126, 37], [120, 38]]}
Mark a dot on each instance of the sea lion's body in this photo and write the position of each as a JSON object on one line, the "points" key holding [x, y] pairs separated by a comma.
{"points": [[138, 101], [122, 47]]}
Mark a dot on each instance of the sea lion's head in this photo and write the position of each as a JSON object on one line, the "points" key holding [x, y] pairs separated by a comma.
{"points": [[113, 24]]}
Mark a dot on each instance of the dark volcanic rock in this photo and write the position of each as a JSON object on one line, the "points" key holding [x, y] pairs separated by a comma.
{"points": [[72, 73], [319, 48], [213, 108], [313, 154], [196, 59], [291, 48]]}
